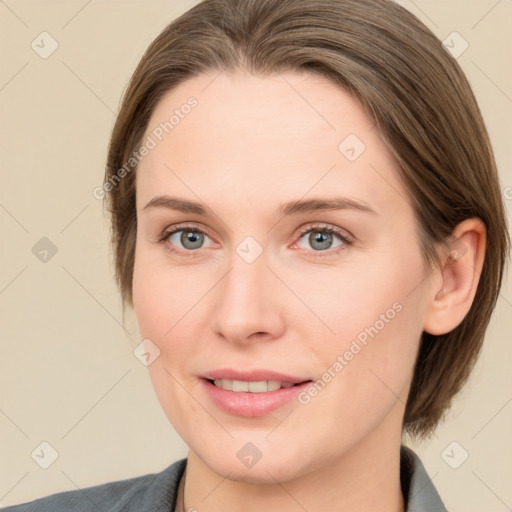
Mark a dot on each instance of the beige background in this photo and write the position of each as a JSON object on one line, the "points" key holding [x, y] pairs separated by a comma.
{"points": [[68, 373]]}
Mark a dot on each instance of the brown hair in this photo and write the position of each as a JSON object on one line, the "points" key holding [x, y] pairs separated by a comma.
{"points": [[410, 86]]}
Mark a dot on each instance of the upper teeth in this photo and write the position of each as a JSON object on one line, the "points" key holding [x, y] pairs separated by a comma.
{"points": [[253, 387]]}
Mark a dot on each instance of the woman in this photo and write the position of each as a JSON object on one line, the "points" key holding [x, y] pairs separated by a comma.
{"points": [[307, 221]]}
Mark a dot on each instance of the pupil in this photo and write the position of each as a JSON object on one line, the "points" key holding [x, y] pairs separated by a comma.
{"points": [[324, 239], [191, 240]]}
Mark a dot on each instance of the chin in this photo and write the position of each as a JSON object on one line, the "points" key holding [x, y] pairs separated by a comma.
{"points": [[235, 461]]}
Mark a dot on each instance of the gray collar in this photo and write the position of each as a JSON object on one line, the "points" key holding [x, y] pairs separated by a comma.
{"points": [[419, 491]]}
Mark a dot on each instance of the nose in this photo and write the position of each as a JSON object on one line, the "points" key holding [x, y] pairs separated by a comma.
{"points": [[248, 303]]}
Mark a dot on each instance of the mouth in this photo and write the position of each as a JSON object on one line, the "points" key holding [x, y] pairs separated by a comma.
{"points": [[259, 386], [252, 398]]}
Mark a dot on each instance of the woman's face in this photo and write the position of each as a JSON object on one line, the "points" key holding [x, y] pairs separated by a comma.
{"points": [[275, 281]]}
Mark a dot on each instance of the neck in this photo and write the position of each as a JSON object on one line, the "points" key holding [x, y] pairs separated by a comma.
{"points": [[366, 477]]}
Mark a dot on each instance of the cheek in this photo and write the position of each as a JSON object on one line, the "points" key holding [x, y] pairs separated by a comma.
{"points": [[378, 332], [161, 300], [149, 302], [159, 295], [169, 302]]}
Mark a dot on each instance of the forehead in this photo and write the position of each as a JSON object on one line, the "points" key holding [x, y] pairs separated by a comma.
{"points": [[290, 134]]}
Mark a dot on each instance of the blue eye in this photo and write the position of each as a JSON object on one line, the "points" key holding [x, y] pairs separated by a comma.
{"points": [[321, 238], [190, 238]]}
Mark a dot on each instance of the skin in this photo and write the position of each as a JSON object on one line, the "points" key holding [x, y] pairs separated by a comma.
{"points": [[251, 144]]}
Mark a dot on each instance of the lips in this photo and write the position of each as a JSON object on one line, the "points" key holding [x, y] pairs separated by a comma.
{"points": [[249, 399], [256, 375]]}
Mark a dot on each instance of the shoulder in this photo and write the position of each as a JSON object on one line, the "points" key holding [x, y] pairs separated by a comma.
{"points": [[156, 492], [417, 486]]}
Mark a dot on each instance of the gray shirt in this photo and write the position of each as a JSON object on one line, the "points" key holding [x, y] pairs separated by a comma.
{"points": [[157, 492]]}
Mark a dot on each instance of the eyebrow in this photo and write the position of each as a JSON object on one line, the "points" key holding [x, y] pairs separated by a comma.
{"points": [[285, 209]]}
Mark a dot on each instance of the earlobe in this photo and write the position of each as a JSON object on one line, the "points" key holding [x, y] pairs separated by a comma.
{"points": [[449, 302]]}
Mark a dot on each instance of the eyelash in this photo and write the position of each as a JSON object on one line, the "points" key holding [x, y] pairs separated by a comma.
{"points": [[321, 228]]}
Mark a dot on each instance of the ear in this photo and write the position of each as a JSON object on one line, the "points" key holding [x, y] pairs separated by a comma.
{"points": [[450, 301]]}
